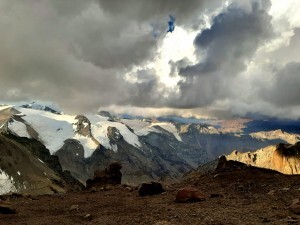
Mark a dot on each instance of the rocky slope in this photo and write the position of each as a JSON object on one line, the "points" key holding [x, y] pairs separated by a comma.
{"points": [[284, 158], [27, 167], [235, 194]]}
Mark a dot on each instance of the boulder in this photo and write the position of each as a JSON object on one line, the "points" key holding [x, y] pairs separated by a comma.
{"points": [[190, 194], [111, 175], [153, 188], [295, 206], [6, 208]]}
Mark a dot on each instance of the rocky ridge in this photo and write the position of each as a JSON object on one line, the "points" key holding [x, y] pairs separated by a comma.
{"points": [[27, 167], [277, 135], [284, 158], [147, 150]]}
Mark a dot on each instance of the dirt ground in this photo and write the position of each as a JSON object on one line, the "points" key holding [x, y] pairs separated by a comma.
{"points": [[245, 197]]}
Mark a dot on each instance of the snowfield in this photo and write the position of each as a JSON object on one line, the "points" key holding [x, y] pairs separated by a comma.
{"points": [[19, 128], [6, 183], [140, 128], [170, 128], [99, 130], [53, 129]]}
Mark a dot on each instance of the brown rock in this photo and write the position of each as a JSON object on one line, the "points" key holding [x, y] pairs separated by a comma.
{"points": [[6, 208], [111, 175], [87, 216], [129, 189], [190, 194], [295, 206], [217, 196], [74, 207], [153, 188]]}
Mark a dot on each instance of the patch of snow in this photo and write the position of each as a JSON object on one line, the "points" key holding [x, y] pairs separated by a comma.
{"points": [[100, 134], [141, 128], [41, 161], [99, 131], [19, 128], [53, 129], [96, 118], [89, 145], [114, 148], [6, 183], [170, 128], [19, 173]]}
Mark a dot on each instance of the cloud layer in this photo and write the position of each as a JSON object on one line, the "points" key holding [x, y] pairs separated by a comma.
{"points": [[83, 55]]}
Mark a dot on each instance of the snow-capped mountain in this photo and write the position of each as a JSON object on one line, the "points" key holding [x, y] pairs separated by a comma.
{"points": [[85, 143], [147, 149], [52, 129]]}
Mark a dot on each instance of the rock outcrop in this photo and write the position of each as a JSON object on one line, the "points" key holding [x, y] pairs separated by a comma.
{"points": [[152, 188], [111, 175], [277, 135], [190, 194], [284, 158]]}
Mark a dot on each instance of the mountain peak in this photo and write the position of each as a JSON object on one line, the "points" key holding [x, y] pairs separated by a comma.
{"points": [[38, 106]]}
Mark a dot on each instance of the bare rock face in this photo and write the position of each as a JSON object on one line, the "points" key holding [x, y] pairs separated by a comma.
{"points": [[153, 188], [284, 158], [111, 175], [83, 126], [277, 134], [190, 194], [26, 167]]}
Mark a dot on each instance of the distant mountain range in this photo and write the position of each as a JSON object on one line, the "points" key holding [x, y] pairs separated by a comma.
{"points": [[147, 148]]}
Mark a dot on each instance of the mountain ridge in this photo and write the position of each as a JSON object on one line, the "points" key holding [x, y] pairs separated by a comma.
{"points": [[147, 149]]}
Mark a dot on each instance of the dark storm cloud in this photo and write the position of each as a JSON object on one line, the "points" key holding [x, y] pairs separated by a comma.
{"points": [[231, 40], [284, 90], [224, 50], [76, 53], [145, 91], [144, 10]]}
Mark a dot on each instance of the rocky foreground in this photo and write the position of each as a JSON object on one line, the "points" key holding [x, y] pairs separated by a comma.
{"points": [[234, 194]]}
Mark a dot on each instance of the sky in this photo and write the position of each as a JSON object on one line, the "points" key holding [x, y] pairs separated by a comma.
{"points": [[224, 58]]}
